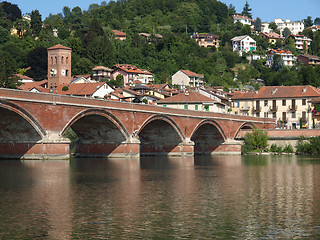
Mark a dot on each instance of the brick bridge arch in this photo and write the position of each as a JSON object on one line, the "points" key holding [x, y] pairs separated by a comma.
{"points": [[160, 134], [207, 137], [244, 126], [24, 115]]}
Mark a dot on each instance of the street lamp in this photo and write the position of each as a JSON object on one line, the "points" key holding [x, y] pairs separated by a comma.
{"points": [[53, 73]]}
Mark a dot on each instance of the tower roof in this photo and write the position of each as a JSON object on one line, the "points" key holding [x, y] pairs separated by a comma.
{"points": [[59, 46]]}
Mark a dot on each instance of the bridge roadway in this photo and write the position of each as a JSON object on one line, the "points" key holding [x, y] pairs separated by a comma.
{"points": [[33, 126]]}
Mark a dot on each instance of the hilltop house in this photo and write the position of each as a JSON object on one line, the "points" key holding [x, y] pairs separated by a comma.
{"points": [[243, 44], [300, 41], [120, 35], [184, 78], [242, 19], [287, 57], [272, 37], [206, 40], [131, 73], [309, 60], [101, 72]]}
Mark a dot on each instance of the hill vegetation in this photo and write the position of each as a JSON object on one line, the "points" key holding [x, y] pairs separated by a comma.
{"points": [[89, 34]]}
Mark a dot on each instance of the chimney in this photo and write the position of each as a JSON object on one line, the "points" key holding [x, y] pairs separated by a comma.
{"points": [[166, 80]]}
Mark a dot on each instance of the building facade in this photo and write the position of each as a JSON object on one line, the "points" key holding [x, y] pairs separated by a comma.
{"points": [[243, 44], [186, 78], [300, 41], [206, 40], [289, 105], [294, 27], [286, 55]]}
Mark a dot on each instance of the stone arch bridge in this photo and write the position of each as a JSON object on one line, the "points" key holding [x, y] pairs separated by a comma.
{"points": [[32, 126]]}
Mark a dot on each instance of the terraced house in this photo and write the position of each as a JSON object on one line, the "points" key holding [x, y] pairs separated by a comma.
{"points": [[289, 105]]}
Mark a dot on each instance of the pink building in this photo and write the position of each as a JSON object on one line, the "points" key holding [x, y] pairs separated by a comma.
{"points": [[131, 73]]}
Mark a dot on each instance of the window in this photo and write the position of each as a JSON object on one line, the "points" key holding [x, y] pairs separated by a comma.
{"points": [[265, 103], [185, 106], [257, 114], [67, 60], [284, 116], [235, 104], [51, 60], [293, 115], [61, 60], [284, 102], [164, 105], [304, 101], [266, 114], [274, 115], [196, 107]]}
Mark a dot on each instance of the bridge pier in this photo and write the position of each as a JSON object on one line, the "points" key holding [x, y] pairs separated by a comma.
{"points": [[228, 147], [129, 148], [41, 150]]}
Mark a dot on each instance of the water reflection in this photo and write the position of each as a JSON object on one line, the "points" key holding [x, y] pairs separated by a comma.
{"points": [[252, 197]]}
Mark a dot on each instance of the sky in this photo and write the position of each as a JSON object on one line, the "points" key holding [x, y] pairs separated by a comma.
{"points": [[268, 10]]}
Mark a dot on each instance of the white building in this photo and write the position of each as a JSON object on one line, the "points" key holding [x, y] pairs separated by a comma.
{"points": [[242, 19], [287, 57], [185, 78], [300, 40], [294, 27], [243, 44]]}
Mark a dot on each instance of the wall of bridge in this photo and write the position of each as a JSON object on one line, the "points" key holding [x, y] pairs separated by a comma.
{"points": [[134, 128]]}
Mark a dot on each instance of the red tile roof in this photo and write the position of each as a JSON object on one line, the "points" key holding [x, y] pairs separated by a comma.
{"points": [[59, 46], [129, 68], [268, 92], [278, 51], [23, 77], [28, 86], [101, 68], [79, 89], [119, 34], [272, 35], [192, 97], [191, 74]]}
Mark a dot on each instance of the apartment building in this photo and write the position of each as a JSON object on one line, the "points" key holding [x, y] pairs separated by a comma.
{"points": [[286, 55], [286, 104]]}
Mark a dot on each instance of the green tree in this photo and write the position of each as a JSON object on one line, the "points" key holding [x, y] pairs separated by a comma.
{"points": [[255, 141], [12, 11], [7, 70], [36, 22], [278, 63], [247, 10], [308, 22], [317, 21], [286, 32], [38, 62], [257, 25]]}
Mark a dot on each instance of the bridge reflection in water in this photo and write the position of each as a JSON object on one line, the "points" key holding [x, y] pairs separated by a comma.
{"points": [[242, 197], [33, 126]]}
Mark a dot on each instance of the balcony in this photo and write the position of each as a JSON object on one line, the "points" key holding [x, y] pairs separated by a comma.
{"points": [[256, 109], [273, 108], [292, 108], [245, 108]]}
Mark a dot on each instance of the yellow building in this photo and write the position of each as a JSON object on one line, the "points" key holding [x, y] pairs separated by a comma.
{"points": [[289, 105]]}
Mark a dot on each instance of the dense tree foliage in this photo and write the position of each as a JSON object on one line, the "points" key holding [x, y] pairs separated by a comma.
{"points": [[89, 34]]}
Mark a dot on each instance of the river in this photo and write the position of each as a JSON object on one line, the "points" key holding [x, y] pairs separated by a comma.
{"points": [[220, 197]]}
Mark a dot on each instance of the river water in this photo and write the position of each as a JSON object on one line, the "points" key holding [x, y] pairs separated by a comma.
{"points": [[220, 197]]}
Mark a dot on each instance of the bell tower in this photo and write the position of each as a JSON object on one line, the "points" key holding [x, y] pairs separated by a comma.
{"points": [[59, 66]]}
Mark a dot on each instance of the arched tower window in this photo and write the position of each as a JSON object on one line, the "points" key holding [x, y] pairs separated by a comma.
{"points": [[67, 60], [62, 60], [67, 72], [56, 60], [51, 60]]}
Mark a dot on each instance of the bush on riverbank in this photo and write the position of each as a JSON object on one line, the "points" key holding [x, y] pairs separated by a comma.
{"points": [[308, 145], [257, 141], [278, 149]]}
